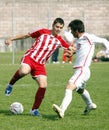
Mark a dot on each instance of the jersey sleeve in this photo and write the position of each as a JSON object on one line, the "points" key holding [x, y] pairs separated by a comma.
{"points": [[38, 33], [103, 41], [34, 34]]}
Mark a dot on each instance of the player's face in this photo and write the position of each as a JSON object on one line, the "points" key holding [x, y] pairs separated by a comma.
{"points": [[57, 28], [75, 33]]}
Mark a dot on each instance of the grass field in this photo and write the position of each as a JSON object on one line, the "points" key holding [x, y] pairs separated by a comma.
{"points": [[58, 75]]}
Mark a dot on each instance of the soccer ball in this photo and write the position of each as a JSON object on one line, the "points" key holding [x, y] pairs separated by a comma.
{"points": [[16, 108]]}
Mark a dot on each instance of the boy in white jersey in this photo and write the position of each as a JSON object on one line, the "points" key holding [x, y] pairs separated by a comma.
{"points": [[85, 44], [33, 61]]}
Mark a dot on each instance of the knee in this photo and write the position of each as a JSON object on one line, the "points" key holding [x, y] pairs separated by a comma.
{"points": [[80, 90], [43, 85], [23, 72], [24, 69], [42, 81]]}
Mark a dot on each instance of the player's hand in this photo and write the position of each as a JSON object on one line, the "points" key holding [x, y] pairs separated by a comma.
{"points": [[71, 50], [8, 41]]}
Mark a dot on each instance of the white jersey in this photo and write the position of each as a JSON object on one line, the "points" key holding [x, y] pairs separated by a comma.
{"points": [[85, 49]]}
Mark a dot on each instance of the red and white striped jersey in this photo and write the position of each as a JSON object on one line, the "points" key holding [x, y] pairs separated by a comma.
{"points": [[45, 44]]}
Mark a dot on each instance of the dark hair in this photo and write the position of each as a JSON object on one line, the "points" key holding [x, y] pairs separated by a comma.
{"points": [[58, 20], [77, 25]]}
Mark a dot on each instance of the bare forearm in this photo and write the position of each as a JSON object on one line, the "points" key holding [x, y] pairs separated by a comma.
{"points": [[18, 37]]}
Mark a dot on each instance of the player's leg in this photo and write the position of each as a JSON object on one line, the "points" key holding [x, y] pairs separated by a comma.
{"points": [[42, 82], [64, 57], [83, 92], [23, 70], [70, 59], [55, 56], [39, 74], [87, 99], [68, 95], [60, 110]]}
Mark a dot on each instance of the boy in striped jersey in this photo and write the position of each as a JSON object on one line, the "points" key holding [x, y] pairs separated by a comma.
{"points": [[33, 61]]}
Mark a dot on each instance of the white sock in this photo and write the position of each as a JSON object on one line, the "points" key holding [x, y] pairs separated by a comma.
{"points": [[86, 97], [66, 100]]}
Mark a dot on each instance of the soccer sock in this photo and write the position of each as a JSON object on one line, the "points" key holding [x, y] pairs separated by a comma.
{"points": [[38, 97], [64, 58], [86, 97], [70, 59], [15, 77], [66, 100]]}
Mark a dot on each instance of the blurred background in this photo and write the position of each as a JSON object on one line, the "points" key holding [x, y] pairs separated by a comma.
{"points": [[22, 16]]}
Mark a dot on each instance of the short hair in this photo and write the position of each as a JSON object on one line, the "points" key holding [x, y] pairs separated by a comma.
{"points": [[58, 20], [77, 25]]}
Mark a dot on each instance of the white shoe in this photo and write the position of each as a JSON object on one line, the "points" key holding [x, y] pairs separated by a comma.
{"points": [[58, 110], [70, 62], [90, 107], [56, 62]]}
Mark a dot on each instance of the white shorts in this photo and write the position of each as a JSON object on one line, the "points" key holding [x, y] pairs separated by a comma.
{"points": [[80, 77]]}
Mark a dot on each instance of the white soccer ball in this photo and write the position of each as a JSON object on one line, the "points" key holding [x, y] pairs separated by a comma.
{"points": [[16, 108]]}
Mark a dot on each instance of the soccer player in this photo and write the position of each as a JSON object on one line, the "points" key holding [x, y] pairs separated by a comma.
{"points": [[85, 44], [33, 61], [102, 55]]}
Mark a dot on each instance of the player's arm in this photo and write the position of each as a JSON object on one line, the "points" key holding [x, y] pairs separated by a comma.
{"points": [[100, 40], [23, 36]]}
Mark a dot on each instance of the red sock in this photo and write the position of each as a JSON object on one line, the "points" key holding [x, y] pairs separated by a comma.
{"points": [[70, 59], [38, 97], [64, 58], [15, 77]]}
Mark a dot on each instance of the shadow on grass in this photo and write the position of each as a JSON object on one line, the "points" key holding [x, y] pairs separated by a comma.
{"points": [[43, 116], [50, 117], [47, 117], [5, 112], [8, 113]]}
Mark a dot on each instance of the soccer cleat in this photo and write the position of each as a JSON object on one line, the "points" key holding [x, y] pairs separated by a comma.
{"points": [[58, 110], [63, 62], [70, 62], [90, 107], [8, 90], [35, 112]]}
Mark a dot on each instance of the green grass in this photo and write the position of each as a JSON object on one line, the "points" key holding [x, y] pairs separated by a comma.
{"points": [[58, 75]]}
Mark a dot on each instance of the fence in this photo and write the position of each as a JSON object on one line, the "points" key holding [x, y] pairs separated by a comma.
{"points": [[21, 16]]}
